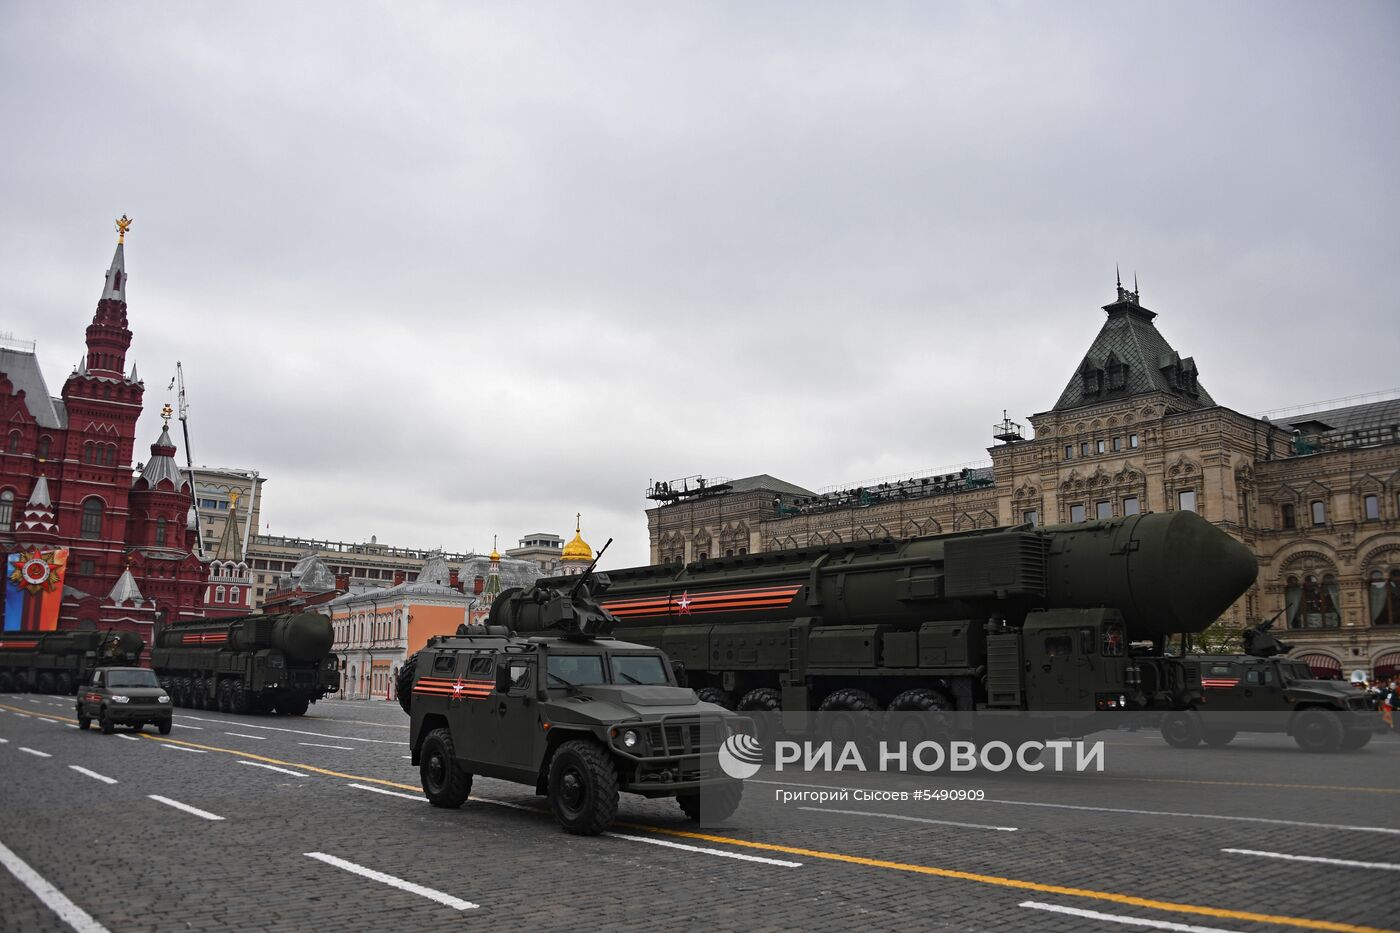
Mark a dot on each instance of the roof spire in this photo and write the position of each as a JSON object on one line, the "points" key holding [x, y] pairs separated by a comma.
{"points": [[123, 225], [230, 546]]}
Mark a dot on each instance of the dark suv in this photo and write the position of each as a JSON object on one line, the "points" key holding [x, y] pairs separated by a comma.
{"points": [[131, 696]]}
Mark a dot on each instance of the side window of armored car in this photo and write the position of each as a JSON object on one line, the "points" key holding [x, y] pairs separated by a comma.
{"points": [[1059, 645], [481, 665], [444, 663]]}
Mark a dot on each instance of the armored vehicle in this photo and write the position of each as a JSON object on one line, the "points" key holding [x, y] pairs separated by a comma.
{"points": [[255, 664], [1262, 691], [57, 662], [130, 696], [1071, 618], [571, 711]]}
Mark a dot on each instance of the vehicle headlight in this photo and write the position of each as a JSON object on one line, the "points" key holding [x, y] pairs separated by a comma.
{"points": [[163, 698], [120, 699], [630, 738]]}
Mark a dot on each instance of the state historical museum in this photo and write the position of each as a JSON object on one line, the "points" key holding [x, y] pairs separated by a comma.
{"points": [[86, 542]]}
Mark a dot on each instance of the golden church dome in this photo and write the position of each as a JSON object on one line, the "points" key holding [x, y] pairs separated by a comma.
{"points": [[578, 549]]}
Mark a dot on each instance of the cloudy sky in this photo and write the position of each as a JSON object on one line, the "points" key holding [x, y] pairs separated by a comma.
{"points": [[444, 271]]}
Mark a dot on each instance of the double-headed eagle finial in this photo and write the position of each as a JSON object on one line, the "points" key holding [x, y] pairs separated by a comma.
{"points": [[123, 225]]}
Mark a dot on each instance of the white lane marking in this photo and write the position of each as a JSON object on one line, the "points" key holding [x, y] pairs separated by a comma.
{"points": [[93, 774], [4, 741], [23, 715], [702, 851], [391, 793], [343, 748], [1345, 862], [70, 913], [181, 748], [319, 735], [205, 814], [35, 751], [181, 725], [1118, 918], [259, 764], [912, 819], [1201, 816], [129, 738], [71, 725], [446, 900], [260, 738], [406, 757], [512, 806]]}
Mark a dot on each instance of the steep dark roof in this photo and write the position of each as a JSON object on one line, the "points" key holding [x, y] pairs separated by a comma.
{"points": [[23, 371], [1130, 357]]}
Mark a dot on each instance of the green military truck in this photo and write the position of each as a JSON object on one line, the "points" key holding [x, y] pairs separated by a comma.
{"points": [[572, 712], [1262, 691]]}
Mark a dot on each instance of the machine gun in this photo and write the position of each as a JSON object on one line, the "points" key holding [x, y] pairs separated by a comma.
{"points": [[574, 612], [1260, 643]]}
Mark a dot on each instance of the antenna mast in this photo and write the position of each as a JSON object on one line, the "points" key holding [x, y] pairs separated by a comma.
{"points": [[184, 408]]}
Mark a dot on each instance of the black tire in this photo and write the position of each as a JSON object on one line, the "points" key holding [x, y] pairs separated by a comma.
{"points": [[1182, 729], [713, 804], [850, 718], [933, 724], [716, 696], [65, 684], [1318, 731], [44, 683], [1356, 740], [84, 721], [241, 703], [198, 693], [768, 704], [403, 684], [104, 721], [1218, 738], [164, 726], [445, 782], [296, 706], [582, 787], [7, 683]]}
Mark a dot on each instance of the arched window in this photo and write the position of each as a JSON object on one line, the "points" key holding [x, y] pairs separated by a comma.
{"points": [[1287, 520], [14, 442], [160, 532], [7, 510], [1385, 597], [44, 447], [1312, 603], [218, 594], [92, 518], [234, 595]]}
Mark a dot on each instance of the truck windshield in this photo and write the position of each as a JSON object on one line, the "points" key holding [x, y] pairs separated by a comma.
{"points": [[132, 679], [575, 670], [638, 669]]}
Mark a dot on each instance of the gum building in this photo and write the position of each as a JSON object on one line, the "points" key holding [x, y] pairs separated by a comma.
{"points": [[1315, 493]]}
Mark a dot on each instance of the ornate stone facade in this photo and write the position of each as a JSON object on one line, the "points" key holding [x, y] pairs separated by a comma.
{"points": [[1317, 497]]}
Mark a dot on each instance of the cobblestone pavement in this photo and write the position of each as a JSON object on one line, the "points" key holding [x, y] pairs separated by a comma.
{"points": [[1147, 839]]}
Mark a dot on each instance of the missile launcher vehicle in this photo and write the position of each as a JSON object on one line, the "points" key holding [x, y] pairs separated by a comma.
{"points": [[1068, 618], [255, 664], [58, 662]]}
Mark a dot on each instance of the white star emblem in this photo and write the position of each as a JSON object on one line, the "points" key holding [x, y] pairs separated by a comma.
{"points": [[683, 604], [458, 687]]}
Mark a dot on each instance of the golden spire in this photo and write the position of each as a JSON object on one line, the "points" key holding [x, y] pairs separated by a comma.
{"points": [[166, 412], [495, 555], [233, 500], [578, 549], [123, 224]]}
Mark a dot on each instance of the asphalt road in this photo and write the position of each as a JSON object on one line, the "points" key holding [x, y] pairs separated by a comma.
{"points": [[317, 823]]}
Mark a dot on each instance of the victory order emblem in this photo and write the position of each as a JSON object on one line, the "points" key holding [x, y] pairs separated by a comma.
{"points": [[36, 572]]}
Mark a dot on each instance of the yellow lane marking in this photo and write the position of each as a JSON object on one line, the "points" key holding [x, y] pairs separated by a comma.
{"points": [[998, 881], [995, 880]]}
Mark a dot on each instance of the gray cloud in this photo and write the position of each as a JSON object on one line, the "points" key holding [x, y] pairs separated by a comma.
{"points": [[443, 271]]}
